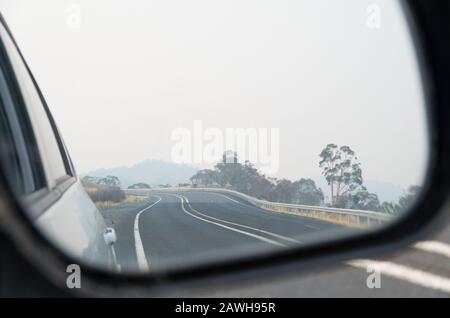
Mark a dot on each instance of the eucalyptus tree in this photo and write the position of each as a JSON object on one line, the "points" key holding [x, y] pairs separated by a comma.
{"points": [[342, 170]]}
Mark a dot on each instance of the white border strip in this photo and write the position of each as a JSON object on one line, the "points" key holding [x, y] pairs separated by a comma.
{"points": [[230, 228], [282, 237], [140, 253]]}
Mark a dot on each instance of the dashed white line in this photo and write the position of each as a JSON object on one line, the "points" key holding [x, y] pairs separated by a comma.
{"points": [[282, 237], [402, 272], [140, 253], [226, 197], [261, 238], [412, 275]]}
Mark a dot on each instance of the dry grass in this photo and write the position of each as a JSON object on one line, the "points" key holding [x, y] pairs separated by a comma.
{"points": [[93, 188], [129, 199], [90, 187]]}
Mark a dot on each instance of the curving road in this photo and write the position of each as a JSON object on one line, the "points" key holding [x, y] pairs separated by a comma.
{"points": [[189, 228], [168, 230]]}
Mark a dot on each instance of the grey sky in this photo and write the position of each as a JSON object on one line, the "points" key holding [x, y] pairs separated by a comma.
{"points": [[136, 70]]}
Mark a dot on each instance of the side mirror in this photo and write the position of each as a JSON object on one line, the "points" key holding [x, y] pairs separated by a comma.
{"points": [[338, 147], [110, 236]]}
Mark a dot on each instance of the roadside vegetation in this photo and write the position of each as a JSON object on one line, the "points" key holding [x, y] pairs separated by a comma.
{"points": [[339, 164], [116, 215], [340, 167], [139, 185], [106, 192], [343, 173]]}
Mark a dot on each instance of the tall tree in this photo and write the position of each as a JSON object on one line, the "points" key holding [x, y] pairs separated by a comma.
{"points": [[341, 169]]}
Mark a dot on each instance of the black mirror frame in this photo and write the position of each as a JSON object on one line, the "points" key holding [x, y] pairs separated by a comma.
{"points": [[430, 23]]}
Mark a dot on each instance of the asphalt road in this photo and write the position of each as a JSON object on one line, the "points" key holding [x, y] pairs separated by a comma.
{"points": [[422, 270], [170, 230]]}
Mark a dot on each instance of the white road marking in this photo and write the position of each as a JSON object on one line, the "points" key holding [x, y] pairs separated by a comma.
{"points": [[434, 247], [401, 272], [140, 253], [412, 275], [227, 227], [246, 226], [311, 227], [225, 196]]}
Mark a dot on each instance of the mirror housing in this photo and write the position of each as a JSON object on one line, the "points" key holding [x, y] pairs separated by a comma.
{"points": [[431, 24]]}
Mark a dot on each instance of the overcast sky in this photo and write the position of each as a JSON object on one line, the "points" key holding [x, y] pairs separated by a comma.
{"points": [[127, 75]]}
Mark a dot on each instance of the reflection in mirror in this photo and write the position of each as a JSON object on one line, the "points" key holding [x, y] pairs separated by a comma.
{"points": [[205, 131]]}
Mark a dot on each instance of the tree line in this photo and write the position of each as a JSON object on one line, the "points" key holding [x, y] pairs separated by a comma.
{"points": [[339, 164], [340, 168], [245, 178]]}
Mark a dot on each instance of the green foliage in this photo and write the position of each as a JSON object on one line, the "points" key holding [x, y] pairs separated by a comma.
{"points": [[342, 171], [139, 185], [109, 181], [363, 200], [404, 202], [303, 191], [205, 177], [307, 193], [245, 178]]}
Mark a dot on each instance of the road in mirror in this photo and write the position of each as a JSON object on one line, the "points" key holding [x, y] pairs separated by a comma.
{"points": [[205, 131]]}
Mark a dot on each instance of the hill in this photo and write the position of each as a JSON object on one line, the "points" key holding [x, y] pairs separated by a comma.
{"points": [[152, 172]]}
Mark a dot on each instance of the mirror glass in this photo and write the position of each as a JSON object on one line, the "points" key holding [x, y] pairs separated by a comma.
{"points": [[206, 131]]}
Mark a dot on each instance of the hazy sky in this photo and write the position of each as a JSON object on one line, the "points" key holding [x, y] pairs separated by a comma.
{"points": [[121, 78]]}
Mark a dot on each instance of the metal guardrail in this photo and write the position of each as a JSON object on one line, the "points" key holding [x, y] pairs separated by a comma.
{"points": [[346, 217]]}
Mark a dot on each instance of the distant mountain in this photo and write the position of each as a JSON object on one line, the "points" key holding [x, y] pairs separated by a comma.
{"points": [[385, 191], [152, 172]]}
